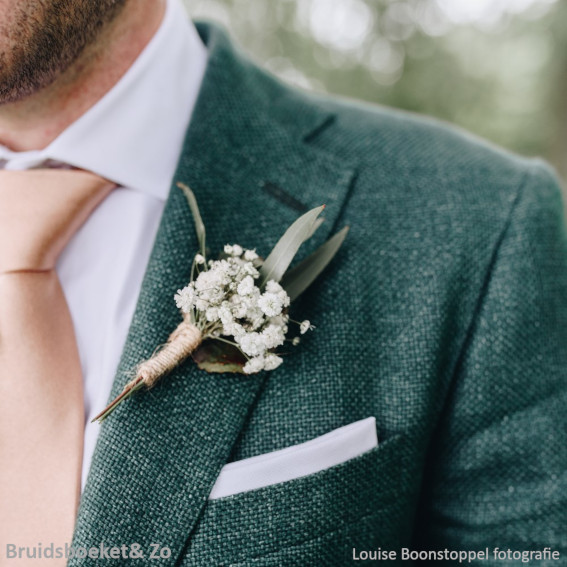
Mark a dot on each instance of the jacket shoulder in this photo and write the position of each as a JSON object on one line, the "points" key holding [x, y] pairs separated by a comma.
{"points": [[432, 163]]}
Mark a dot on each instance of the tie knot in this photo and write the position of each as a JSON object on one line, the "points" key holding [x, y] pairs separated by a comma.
{"points": [[40, 210]]}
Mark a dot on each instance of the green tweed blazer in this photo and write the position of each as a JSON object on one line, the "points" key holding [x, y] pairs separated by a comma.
{"points": [[444, 316]]}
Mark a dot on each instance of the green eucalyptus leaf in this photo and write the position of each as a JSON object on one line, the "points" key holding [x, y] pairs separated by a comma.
{"points": [[284, 251], [199, 225], [218, 357], [299, 278]]}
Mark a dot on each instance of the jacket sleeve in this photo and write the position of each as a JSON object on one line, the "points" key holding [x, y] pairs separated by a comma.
{"points": [[497, 465]]}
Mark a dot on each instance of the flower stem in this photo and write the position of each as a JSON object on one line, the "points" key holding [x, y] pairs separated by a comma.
{"points": [[129, 389], [181, 344], [226, 341]]}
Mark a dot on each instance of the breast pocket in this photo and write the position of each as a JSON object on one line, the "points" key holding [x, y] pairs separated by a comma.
{"points": [[312, 520]]}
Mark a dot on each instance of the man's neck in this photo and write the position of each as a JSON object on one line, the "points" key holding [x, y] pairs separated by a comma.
{"points": [[33, 123]]}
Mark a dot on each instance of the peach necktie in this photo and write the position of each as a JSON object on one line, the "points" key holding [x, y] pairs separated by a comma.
{"points": [[41, 390]]}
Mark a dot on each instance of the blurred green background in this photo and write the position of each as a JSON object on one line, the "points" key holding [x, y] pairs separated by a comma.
{"points": [[495, 67]]}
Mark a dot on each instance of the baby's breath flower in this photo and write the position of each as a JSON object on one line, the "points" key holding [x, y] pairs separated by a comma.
{"points": [[199, 259], [228, 249], [270, 304], [249, 269], [212, 280], [254, 365], [273, 336], [212, 314], [239, 311], [225, 315], [256, 322], [201, 305], [280, 320], [252, 344], [273, 287], [246, 286], [272, 361], [237, 331], [295, 341], [304, 326], [250, 255], [185, 298], [237, 250]]}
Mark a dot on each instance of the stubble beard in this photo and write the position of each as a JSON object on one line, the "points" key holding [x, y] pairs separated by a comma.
{"points": [[41, 39]]}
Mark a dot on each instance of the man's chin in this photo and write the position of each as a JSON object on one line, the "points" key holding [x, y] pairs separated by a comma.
{"points": [[23, 84]]}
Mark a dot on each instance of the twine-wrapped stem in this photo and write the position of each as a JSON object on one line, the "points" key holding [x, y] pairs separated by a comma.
{"points": [[181, 344]]}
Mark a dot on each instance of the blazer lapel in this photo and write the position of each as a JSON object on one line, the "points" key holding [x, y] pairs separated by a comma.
{"points": [[250, 158]]}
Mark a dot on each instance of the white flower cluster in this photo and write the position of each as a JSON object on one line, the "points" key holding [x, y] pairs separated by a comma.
{"points": [[225, 301]]}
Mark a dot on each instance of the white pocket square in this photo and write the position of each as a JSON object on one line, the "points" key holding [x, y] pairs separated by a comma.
{"points": [[321, 453]]}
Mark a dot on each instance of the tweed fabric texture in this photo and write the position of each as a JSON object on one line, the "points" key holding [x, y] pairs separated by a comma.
{"points": [[444, 316]]}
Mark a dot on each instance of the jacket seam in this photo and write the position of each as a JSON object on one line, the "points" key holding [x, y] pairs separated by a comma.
{"points": [[480, 300], [483, 292]]}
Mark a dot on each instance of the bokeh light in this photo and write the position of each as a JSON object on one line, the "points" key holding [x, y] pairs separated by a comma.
{"points": [[495, 67]]}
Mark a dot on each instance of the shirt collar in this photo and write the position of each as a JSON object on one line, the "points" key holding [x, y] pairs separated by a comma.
{"points": [[134, 134]]}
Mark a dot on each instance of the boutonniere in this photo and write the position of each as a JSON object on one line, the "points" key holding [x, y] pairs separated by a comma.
{"points": [[235, 309]]}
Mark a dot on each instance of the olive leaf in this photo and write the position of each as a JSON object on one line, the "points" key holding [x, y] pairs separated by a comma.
{"points": [[299, 278], [284, 251], [318, 222], [199, 224]]}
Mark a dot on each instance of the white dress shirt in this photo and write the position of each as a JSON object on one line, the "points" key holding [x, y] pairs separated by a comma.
{"points": [[132, 136]]}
